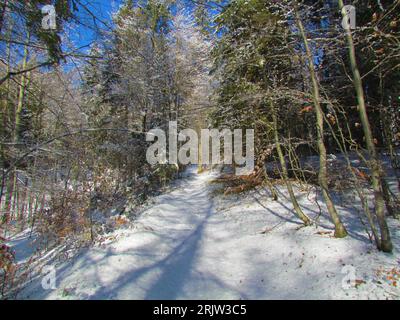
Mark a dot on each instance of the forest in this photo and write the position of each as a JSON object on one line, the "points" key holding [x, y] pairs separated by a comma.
{"points": [[85, 215]]}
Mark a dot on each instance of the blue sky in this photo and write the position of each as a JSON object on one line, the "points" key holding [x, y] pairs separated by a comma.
{"points": [[102, 9], [83, 34]]}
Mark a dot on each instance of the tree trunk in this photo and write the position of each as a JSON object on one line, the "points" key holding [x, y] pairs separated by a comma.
{"points": [[4, 120], [385, 241], [21, 95], [296, 206], [340, 230]]}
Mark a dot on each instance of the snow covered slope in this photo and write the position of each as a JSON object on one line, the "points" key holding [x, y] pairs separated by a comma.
{"points": [[191, 245]]}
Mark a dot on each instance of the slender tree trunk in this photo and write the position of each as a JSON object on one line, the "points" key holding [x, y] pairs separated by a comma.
{"points": [[15, 195], [21, 96], [5, 115], [8, 196], [391, 201], [341, 143], [12, 188], [296, 206], [3, 9], [340, 230], [24, 205], [376, 177]]}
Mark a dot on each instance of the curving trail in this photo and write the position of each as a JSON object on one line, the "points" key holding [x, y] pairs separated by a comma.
{"points": [[184, 247]]}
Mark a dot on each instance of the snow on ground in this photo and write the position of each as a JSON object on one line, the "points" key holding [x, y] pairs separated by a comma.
{"points": [[190, 244]]}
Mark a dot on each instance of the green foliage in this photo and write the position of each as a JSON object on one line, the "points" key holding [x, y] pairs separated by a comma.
{"points": [[29, 15], [246, 64]]}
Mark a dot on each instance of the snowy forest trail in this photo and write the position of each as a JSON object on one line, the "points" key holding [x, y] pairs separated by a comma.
{"points": [[173, 252], [184, 247]]}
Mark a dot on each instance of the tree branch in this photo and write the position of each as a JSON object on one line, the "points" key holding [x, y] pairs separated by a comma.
{"points": [[15, 73]]}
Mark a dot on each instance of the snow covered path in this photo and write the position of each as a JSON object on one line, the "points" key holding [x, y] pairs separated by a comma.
{"points": [[184, 247]]}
